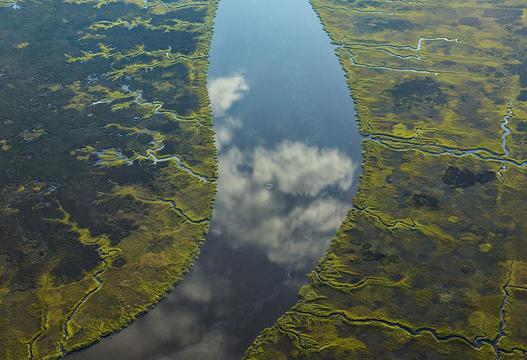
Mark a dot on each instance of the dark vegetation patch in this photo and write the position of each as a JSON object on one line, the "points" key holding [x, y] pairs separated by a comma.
{"points": [[462, 178], [369, 255], [367, 252], [133, 174], [504, 16], [191, 14], [370, 3], [468, 108], [118, 229], [520, 31], [119, 262], [418, 282], [417, 93], [112, 217], [35, 242], [369, 24], [484, 177], [522, 96], [520, 69], [161, 123], [187, 102], [424, 201], [470, 21], [74, 260], [169, 149], [522, 126]]}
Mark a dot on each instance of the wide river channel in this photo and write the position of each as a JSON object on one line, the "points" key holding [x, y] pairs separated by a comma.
{"points": [[289, 160]]}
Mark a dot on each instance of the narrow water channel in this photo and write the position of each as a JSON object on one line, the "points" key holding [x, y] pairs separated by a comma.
{"points": [[289, 158]]}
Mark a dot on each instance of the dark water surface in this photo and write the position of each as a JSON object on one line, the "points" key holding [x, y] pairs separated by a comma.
{"points": [[289, 157]]}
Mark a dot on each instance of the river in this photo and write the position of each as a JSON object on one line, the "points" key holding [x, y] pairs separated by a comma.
{"points": [[289, 160]]}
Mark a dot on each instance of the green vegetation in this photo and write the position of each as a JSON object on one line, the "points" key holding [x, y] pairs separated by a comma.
{"points": [[107, 164], [431, 261]]}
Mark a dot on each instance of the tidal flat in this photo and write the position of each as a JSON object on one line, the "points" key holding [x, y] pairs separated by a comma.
{"points": [[431, 261], [107, 164]]}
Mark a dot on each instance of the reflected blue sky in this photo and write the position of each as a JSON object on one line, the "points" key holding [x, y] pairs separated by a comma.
{"points": [[288, 167], [284, 199]]}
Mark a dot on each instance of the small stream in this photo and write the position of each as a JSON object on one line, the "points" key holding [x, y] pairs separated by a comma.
{"points": [[289, 160]]}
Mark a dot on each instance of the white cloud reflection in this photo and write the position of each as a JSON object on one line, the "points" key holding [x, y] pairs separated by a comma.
{"points": [[225, 91], [254, 204], [224, 131], [303, 170]]}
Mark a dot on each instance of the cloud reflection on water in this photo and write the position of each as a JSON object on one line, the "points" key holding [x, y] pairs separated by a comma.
{"points": [[284, 198], [254, 204], [224, 131], [300, 169], [225, 91]]}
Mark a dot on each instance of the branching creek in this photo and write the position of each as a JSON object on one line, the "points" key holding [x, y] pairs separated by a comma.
{"points": [[477, 342], [99, 283]]}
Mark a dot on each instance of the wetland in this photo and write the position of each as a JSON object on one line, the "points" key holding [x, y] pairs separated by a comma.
{"points": [[249, 132], [108, 164]]}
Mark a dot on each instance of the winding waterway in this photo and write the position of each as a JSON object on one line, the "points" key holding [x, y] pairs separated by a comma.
{"points": [[289, 158]]}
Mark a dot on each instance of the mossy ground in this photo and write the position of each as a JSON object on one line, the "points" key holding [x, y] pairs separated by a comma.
{"points": [[430, 263], [107, 164]]}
